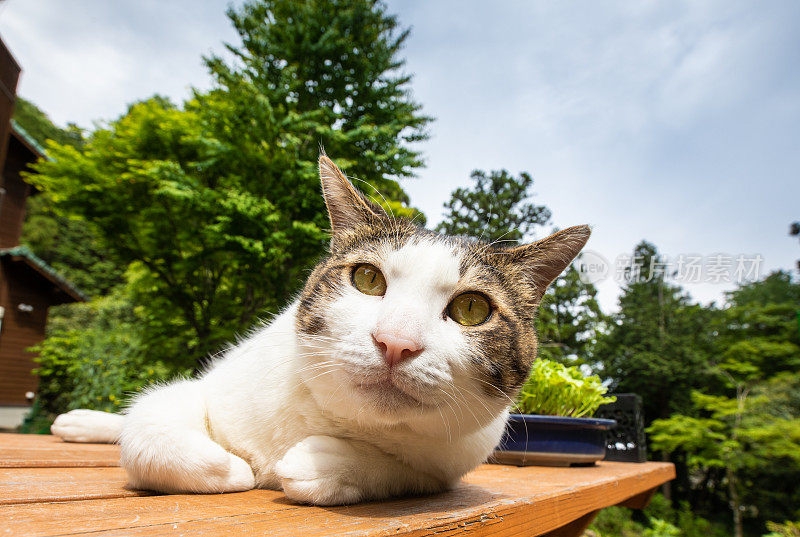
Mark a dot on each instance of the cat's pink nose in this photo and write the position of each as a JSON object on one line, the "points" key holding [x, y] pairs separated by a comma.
{"points": [[396, 348]]}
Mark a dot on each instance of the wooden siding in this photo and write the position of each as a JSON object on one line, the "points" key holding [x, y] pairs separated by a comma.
{"points": [[20, 331], [12, 208], [9, 76]]}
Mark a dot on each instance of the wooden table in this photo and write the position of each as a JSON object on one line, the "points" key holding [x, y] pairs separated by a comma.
{"points": [[48, 487]]}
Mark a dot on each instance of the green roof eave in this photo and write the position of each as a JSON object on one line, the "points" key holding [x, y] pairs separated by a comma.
{"points": [[29, 140], [46, 270]]}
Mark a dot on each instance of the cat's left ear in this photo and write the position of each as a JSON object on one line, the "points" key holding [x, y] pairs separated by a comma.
{"points": [[548, 258], [347, 207]]}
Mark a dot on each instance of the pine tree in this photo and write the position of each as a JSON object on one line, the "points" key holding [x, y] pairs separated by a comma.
{"points": [[496, 208], [742, 433], [658, 344], [333, 68], [568, 320]]}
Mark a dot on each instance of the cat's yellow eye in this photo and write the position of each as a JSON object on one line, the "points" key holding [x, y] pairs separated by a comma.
{"points": [[369, 280], [469, 309]]}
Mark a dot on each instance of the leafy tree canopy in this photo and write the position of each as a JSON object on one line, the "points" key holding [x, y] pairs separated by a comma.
{"points": [[741, 435], [569, 319], [36, 123]]}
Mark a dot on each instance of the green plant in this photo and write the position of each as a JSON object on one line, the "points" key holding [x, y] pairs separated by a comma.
{"points": [[787, 529], [554, 389], [92, 358], [661, 528], [659, 519]]}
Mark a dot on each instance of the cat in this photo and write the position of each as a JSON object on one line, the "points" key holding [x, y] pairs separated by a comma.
{"points": [[391, 374]]}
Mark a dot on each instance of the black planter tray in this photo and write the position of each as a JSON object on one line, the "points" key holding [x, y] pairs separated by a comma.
{"points": [[531, 439]]}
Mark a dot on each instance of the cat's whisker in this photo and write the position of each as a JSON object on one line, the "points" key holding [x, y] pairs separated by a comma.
{"points": [[314, 367], [445, 425], [498, 390], [320, 375], [456, 388], [333, 394], [389, 212]]}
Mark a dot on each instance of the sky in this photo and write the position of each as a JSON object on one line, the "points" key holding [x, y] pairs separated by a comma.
{"points": [[675, 122]]}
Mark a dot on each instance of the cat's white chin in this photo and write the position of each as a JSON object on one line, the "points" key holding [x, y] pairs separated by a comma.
{"points": [[390, 396]]}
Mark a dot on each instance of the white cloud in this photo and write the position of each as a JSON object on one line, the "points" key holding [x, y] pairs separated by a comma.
{"points": [[678, 122], [86, 60]]}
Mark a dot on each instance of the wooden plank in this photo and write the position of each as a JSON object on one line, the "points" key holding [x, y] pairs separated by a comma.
{"points": [[31, 485], [494, 500], [27, 440], [574, 528], [640, 501], [45, 451]]}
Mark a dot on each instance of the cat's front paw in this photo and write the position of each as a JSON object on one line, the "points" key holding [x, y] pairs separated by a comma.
{"points": [[319, 470], [84, 425]]}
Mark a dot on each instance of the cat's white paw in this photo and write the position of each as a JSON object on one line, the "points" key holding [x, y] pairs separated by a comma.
{"points": [[223, 473], [238, 477], [189, 463], [319, 470], [88, 426]]}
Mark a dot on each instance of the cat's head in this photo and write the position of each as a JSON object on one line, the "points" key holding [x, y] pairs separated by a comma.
{"points": [[402, 325]]}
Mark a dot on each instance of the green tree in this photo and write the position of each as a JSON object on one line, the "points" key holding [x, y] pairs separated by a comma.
{"points": [[658, 344], [496, 207], [69, 246], [333, 68], [215, 208], [93, 358], [36, 123], [206, 254], [741, 437], [568, 319]]}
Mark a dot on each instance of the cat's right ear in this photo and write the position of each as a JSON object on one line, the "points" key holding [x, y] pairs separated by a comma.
{"points": [[347, 207]]}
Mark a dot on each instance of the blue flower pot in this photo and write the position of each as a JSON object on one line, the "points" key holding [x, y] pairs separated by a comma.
{"points": [[531, 439]]}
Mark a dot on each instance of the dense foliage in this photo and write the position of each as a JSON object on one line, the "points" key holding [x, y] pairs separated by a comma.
{"points": [[569, 319], [658, 343], [70, 246], [36, 123], [721, 391], [93, 358]]}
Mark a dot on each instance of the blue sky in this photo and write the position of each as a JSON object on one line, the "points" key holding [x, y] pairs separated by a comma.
{"points": [[678, 122]]}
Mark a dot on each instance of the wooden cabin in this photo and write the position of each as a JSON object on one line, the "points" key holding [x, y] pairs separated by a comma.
{"points": [[28, 286]]}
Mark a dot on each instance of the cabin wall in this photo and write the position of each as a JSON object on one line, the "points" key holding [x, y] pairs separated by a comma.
{"points": [[20, 330], [9, 76], [14, 200]]}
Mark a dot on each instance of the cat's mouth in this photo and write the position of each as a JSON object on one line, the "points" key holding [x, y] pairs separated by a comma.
{"points": [[390, 393]]}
